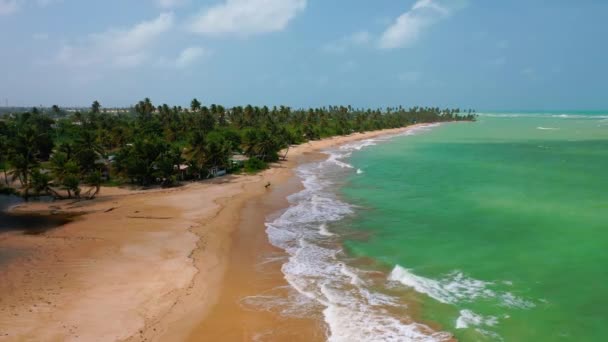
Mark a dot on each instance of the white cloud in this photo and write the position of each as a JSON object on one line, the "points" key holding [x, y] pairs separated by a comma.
{"points": [[406, 29], [424, 4], [190, 55], [8, 6], [185, 58], [356, 39], [247, 17], [12, 6], [116, 47]]}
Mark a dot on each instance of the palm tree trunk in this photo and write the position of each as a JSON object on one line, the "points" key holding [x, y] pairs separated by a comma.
{"points": [[97, 189], [55, 193], [286, 152]]}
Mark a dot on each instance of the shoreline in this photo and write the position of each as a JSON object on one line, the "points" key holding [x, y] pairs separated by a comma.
{"points": [[155, 261]]}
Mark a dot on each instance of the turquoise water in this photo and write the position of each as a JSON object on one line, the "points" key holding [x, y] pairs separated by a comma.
{"points": [[499, 228]]}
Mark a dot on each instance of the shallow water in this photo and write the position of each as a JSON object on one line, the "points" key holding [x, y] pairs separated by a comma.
{"points": [[319, 269], [495, 230], [26, 223]]}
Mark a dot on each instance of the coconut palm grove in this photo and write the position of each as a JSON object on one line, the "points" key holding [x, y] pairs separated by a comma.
{"points": [[71, 153]]}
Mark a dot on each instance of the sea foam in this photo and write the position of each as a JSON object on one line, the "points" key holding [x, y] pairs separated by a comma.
{"points": [[453, 288], [352, 311], [468, 318], [457, 288]]}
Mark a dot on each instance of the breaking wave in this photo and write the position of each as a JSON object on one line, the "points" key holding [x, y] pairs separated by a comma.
{"points": [[352, 310]]}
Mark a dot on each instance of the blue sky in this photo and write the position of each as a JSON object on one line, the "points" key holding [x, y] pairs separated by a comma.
{"points": [[485, 54]]}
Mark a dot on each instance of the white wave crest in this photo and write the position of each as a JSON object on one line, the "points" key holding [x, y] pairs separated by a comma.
{"points": [[456, 288], [452, 289], [335, 158], [352, 310], [323, 230], [468, 318]]}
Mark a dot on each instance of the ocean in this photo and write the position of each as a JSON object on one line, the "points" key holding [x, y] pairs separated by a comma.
{"points": [[489, 231]]}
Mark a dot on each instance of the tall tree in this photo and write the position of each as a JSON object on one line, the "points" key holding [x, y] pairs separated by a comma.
{"points": [[95, 107], [195, 105], [4, 156], [56, 110]]}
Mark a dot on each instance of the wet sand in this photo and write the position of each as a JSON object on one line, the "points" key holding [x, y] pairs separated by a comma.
{"points": [[159, 265]]}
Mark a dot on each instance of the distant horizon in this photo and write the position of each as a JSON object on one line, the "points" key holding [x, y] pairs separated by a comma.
{"points": [[478, 110]]}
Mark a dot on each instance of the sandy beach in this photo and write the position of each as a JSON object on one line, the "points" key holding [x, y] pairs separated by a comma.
{"points": [[158, 265]]}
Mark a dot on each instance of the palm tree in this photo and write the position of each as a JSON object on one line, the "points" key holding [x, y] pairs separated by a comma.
{"points": [[41, 183], [56, 110], [93, 180], [71, 183], [24, 150], [196, 152], [217, 150], [195, 105], [21, 169], [58, 164], [4, 156], [95, 107]]}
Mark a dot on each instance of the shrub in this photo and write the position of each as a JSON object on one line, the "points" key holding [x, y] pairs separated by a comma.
{"points": [[254, 164]]}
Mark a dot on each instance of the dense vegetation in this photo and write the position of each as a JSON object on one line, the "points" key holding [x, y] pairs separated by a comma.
{"points": [[59, 153]]}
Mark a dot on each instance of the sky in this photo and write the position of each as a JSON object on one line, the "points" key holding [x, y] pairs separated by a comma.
{"points": [[483, 54]]}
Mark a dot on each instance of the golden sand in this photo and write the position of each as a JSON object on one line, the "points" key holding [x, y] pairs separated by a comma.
{"points": [[158, 265]]}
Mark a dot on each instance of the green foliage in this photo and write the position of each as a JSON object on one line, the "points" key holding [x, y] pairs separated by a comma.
{"points": [[49, 150], [260, 143], [41, 182], [195, 105], [71, 183], [148, 160], [4, 157], [254, 165], [95, 107], [218, 150]]}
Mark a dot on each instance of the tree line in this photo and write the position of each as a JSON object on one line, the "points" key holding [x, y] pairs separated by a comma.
{"points": [[60, 153]]}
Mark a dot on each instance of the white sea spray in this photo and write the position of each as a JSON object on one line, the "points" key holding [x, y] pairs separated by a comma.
{"points": [[352, 311]]}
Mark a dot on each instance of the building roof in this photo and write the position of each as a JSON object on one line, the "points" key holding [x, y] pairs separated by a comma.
{"points": [[239, 157]]}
